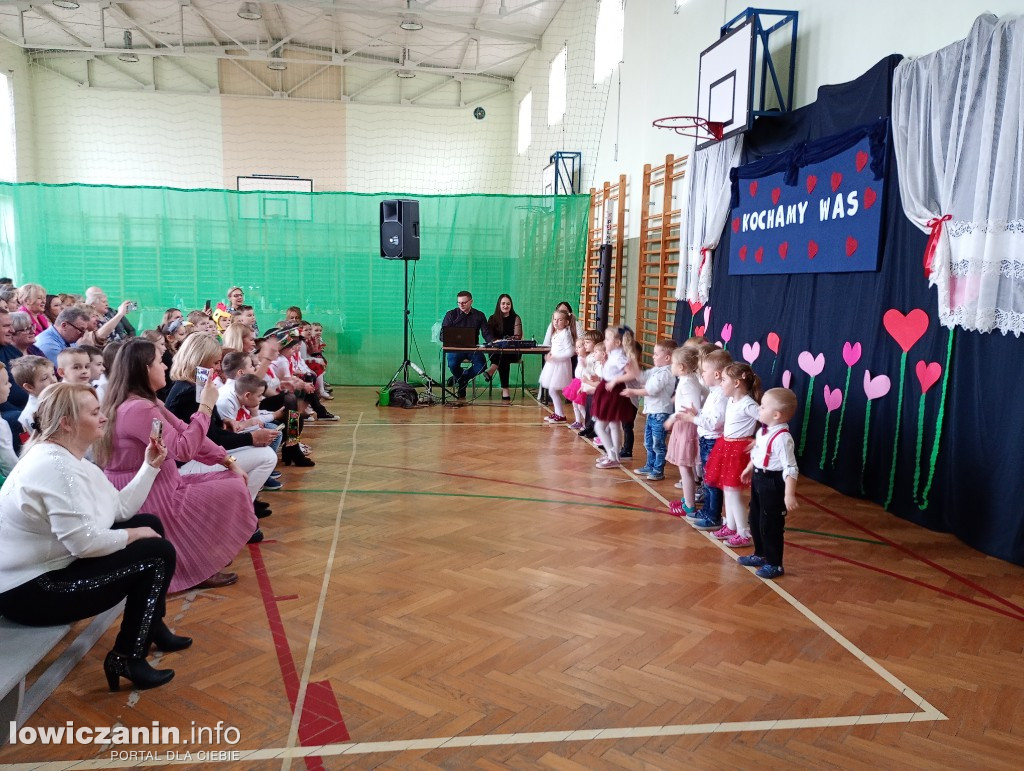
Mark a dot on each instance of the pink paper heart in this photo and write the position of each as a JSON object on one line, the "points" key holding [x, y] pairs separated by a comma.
{"points": [[833, 398], [773, 343], [928, 374], [875, 387], [727, 332], [719, 343], [811, 364], [787, 378], [707, 315], [905, 330], [851, 353], [695, 305], [751, 351]]}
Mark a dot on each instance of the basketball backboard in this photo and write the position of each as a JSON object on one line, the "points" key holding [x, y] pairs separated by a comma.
{"points": [[725, 90]]}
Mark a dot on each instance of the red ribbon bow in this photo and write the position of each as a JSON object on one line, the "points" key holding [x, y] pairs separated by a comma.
{"points": [[933, 241]]}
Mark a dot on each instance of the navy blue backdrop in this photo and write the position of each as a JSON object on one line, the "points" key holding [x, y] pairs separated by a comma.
{"points": [[960, 473]]}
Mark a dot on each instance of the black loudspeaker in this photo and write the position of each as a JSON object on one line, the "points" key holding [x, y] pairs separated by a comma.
{"points": [[400, 229]]}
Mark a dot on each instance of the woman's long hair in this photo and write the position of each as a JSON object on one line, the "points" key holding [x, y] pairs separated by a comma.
{"points": [[59, 400], [496, 321], [128, 378]]}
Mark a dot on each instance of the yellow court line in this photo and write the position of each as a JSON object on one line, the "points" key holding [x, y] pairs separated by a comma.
{"points": [[293, 732]]}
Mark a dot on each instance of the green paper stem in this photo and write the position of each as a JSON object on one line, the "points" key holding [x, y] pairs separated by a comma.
{"points": [[919, 442], [842, 415], [824, 442], [896, 437], [774, 362], [807, 414], [864, 451], [691, 326], [940, 418]]}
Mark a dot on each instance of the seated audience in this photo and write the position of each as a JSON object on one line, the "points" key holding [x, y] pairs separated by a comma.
{"points": [[240, 337], [73, 365], [109, 353], [32, 300], [8, 297], [23, 336], [75, 546], [114, 325], [201, 322], [8, 457], [208, 517], [53, 307]]}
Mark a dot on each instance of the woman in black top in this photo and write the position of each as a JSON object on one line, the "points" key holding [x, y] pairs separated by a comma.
{"points": [[505, 323]]}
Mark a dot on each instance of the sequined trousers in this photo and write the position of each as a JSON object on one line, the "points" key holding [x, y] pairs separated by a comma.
{"points": [[138, 574]]}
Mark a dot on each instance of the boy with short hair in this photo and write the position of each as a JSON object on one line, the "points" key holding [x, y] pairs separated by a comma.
{"points": [[710, 421], [73, 365], [239, 402], [772, 472], [33, 373], [96, 368], [658, 390]]}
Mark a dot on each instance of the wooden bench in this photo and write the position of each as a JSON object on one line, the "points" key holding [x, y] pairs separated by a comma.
{"points": [[23, 647]]}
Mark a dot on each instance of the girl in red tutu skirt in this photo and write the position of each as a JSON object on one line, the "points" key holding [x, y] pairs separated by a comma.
{"points": [[732, 450], [609, 405]]}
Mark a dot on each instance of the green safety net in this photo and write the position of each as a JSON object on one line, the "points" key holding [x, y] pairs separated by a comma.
{"points": [[165, 247]]}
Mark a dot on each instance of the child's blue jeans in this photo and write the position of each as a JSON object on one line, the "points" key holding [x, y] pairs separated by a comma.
{"points": [[654, 441], [712, 495]]}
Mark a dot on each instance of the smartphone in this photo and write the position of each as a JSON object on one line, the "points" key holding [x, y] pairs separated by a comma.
{"points": [[156, 430], [202, 375], [133, 306], [293, 426], [207, 307]]}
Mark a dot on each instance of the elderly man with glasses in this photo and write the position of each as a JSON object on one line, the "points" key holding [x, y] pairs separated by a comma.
{"points": [[67, 330]]}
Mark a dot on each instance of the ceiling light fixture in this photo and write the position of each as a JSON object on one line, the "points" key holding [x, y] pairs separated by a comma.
{"points": [[67, 5], [250, 12], [411, 25], [128, 56], [277, 64], [405, 74]]}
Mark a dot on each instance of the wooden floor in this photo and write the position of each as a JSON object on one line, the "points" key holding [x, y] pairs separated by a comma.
{"points": [[455, 587]]}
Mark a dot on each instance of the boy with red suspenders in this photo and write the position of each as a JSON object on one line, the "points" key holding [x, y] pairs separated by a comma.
{"points": [[772, 472]]}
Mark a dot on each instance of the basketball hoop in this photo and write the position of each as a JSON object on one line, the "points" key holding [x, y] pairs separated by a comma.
{"points": [[692, 126]]}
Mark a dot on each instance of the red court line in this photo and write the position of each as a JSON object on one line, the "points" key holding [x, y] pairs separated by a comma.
{"points": [[614, 501], [907, 579], [321, 721], [909, 552]]}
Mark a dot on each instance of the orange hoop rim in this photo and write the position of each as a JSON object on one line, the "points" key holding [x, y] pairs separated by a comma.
{"points": [[692, 126]]}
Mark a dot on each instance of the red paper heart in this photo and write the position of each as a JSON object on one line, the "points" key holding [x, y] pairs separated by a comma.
{"points": [[753, 188], [699, 331], [905, 330], [736, 225], [928, 374], [851, 246], [870, 196], [759, 255], [743, 253], [783, 249], [862, 160], [776, 192], [812, 180], [812, 249], [695, 305], [773, 342], [837, 180]]}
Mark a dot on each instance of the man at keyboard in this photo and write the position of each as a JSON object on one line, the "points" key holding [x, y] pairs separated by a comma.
{"points": [[465, 316]]}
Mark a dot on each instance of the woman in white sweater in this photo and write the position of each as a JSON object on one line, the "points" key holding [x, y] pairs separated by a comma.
{"points": [[72, 545]]}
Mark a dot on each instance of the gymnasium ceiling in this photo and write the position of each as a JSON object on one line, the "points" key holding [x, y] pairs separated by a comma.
{"points": [[446, 52]]}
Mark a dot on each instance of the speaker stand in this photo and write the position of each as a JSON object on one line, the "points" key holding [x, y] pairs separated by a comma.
{"points": [[402, 373]]}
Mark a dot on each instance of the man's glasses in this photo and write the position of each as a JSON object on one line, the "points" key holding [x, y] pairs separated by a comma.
{"points": [[75, 326]]}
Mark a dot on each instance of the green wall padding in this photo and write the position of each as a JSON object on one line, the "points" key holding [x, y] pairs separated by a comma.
{"points": [[166, 247]]}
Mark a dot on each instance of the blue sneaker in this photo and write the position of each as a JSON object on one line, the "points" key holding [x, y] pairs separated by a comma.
{"points": [[655, 476], [645, 469], [272, 484], [769, 571], [706, 523], [275, 475], [751, 561]]}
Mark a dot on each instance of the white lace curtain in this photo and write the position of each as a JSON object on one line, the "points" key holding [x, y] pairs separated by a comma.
{"points": [[706, 201], [958, 120]]}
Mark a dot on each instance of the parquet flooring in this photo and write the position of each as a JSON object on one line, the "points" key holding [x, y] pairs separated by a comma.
{"points": [[466, 578]]}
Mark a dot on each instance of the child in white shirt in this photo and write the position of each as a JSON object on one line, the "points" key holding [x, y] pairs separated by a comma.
{"points": [[683, 448]]}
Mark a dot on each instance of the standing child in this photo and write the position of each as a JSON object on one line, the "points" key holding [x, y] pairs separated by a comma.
{"points": [[591, 339], [610, 406], [773, 492], [683, 449], [557, 371], [731, 453], [573, 392], [709, 422], [658, 385]]}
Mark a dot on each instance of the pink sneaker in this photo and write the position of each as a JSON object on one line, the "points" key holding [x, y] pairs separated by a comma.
{"points": [[739, 541], [724, 533], [597, 442], [608, 463]]}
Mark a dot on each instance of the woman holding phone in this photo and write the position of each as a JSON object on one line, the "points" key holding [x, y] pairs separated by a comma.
{"points": [[208, 517]]}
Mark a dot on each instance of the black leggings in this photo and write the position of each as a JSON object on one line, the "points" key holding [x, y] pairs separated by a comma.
{"points": [[139, 573]]}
